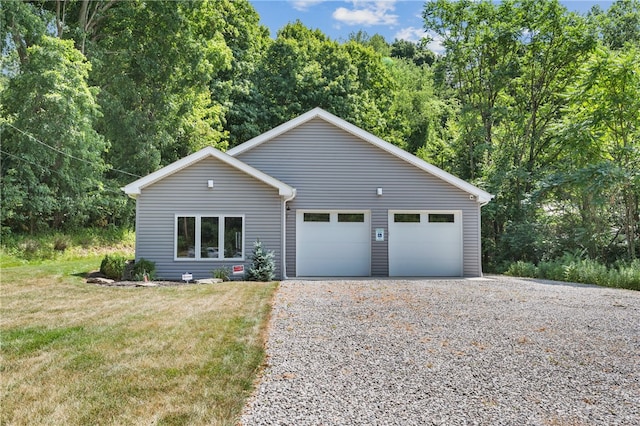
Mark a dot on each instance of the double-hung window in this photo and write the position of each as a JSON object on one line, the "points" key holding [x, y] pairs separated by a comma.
{"points": [[209, 237]]}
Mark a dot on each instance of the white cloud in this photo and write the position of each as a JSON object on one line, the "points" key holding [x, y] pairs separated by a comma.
{"points": [[304, 5], [367, 13], [411, 34], [435, 45], [416, 34]]}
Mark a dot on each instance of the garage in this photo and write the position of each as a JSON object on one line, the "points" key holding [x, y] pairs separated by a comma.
{"points": [[333, 243], [425, 243]]}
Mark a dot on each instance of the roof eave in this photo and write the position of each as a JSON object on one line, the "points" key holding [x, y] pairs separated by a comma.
{"points": [[135, 188]]}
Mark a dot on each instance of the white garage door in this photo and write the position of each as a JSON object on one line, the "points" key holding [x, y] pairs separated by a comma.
{"points": [[336, 243], [425, 244]]}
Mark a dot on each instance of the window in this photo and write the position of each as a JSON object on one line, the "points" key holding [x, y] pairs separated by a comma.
{"points": [[441, 218], [351, 217], [406, 217], [209, 237], [209, 234], [186, 241], [316, 217]]}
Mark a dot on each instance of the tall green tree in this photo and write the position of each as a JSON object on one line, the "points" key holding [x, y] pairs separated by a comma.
{"points": [[21, 25], [234, 87], [510, 65], [601, 133], [620, 24], [154, 62], [304, 69], [377, 42], [51, 155], [428, 122], [553, 45], [482, 46]]}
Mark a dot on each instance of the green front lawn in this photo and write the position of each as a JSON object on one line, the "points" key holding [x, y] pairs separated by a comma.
{"points": [[76, 353]]}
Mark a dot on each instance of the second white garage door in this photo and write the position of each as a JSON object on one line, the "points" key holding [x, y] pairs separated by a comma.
{"points": [[333, 243], [425, 244]]}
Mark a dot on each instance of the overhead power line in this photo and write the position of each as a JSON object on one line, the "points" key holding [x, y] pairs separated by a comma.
{"points": [[64, 153], [49, 169]]}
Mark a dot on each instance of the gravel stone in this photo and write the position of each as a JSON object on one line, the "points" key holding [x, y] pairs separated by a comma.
{"points": [[493, 351]]}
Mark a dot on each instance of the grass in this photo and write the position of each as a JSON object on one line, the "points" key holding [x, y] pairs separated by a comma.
{"points": [[77, 354], [23, 249], [575, 269]]}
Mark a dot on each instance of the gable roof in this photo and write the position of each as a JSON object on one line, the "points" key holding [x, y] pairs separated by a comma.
{"points": [[135, 188], [480, 195]]}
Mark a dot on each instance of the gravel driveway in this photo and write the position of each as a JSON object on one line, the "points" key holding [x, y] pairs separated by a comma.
{"points": [[497, 351]]}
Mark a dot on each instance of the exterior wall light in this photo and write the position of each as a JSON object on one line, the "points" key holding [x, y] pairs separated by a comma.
{"points": [[210, 183], [379, 192]]}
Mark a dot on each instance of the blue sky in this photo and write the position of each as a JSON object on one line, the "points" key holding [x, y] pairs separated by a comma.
{"points": [[393, 19]]}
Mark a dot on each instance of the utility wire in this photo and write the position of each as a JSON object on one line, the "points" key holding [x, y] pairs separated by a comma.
{"points": [[49, 169], [64, 153]]}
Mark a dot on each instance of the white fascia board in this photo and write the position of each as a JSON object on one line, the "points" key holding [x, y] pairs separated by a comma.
{"points": [[135, 188], [480, 195]]}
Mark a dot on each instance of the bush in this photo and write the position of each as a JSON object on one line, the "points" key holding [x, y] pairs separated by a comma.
{"points": [[142, 267], [522, 269], [113, 266], [32, 249], [628, 275], [572, 268], [263, 265], [61, 243]]}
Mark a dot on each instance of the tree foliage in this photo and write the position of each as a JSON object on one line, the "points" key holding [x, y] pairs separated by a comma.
{"points": [[531, 102], [303, 69], [51, 154], [515, 67]]}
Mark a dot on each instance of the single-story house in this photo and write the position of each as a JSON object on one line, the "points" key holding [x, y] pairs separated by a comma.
{"points": [[328, 198]]}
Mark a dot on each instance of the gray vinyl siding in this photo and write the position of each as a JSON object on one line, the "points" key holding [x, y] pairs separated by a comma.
{"points": [[186, 193], [335, 170]]}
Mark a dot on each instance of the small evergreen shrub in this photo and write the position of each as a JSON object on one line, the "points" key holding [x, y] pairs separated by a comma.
{"points": [[263, 265], [113, 265], [142, 267]]}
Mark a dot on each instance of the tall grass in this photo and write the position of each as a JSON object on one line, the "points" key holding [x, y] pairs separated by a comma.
{"points": [[20, 249], [78, 354], [572, 268]]}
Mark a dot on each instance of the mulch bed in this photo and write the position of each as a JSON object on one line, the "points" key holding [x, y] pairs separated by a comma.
{"points": [[98, 278]]}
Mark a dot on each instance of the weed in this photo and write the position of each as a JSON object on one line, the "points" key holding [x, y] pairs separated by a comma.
{"points": [[223, 273], [574, 268], [61, 243], [143, 267], [522, 269], [18, 248]]}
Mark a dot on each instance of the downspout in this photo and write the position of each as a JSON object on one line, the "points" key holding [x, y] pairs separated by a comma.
{"points": [[480, 234], [284, 235]]}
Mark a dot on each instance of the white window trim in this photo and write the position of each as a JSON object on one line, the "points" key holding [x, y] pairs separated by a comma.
{"points": [[424, 216], [221, 225], [333, 214]]}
